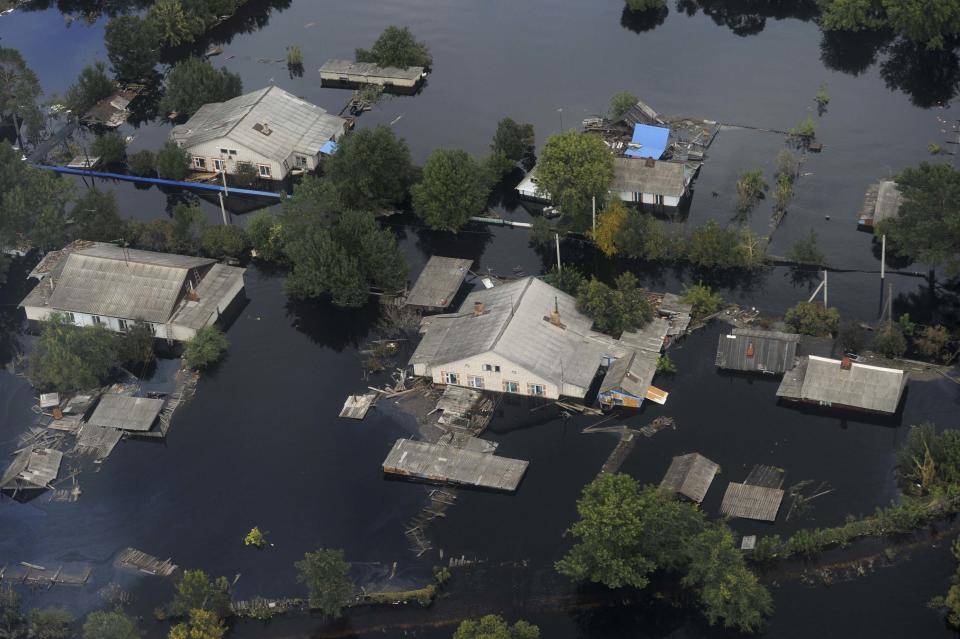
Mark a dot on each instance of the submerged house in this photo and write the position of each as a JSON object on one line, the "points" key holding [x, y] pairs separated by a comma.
{"points": [[32, 469], [844, 384], [348, 73], [757, 351], [690, 475], [93, 283], [650, 181], [882, 202], [270, 131]]}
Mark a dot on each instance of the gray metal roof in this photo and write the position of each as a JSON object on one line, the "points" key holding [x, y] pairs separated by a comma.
{"points": [[755, 350], [650, 176], [673, 304], [32, 469], [439, 282], [211, 297], [751, 502], [690, 475], [632, 374], [294, 125], [514, 324], [648, 338], [434, 462], [823, 380], [126, 413], [368, 69], [888, 201]]}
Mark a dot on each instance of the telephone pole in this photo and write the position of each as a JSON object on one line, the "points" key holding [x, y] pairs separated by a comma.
{"points": [[556, 236]]}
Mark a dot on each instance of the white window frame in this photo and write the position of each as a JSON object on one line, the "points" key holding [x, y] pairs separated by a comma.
{"points": [[658, 199], [488, 367], [97, 320], [223, 152], [199, 162], [122, 324], [219, 165], [537, 390], [474, 381], [233, 151], [510, 386], [450, 378], [300, 161], [260, 170], [70, 317], [496, 369]]}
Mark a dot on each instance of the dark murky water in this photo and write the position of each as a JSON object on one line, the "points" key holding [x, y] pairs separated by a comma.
{"points": [[261, 445]]}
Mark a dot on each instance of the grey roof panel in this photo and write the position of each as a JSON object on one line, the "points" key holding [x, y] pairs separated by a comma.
{"points": [[824, 381], [632, 374], [650, 176], [126, 413], [439, 282], [755, 350], [212, 293], [690, 475], [349, 67]]}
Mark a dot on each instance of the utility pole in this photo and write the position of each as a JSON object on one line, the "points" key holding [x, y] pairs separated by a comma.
{"points": [[883, 257], [556, 236], [223, 210], [825, 288], [594, 206], [560, 111], [223, 174]]}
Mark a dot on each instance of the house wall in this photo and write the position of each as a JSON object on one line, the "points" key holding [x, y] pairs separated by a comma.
{"points": [[210, 151], [648, 198], [177, 333], [492, 379], [368, 79], [618, 398]]}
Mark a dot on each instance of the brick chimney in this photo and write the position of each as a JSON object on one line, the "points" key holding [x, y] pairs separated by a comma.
{"points": [[477, 309], [750, 349], [845, 364], [555, 314]]}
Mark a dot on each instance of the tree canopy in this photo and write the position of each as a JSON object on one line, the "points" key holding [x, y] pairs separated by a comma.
{"points": [[327, 578], [71, 358], [512, 139], [173, 163], [573, 168], [49, 623], [196, 591], [111, 148], [811, 318], [494, 627], [194, 82], [622, 102], [614, 310], [206, 348], [92, 86], [714, 246], [133, 46], [927, 228], [371, 169], [929, 22], [110, 625], [201, 624], [453, 189], [96, 217], [19, 89], [33, 202], [396, 47]]}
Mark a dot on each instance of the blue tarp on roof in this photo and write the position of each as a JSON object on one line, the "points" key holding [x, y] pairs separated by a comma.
{"points": [[652, 141], [329, 147]]}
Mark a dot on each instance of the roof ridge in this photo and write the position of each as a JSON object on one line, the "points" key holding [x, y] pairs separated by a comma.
{"points": [[514, 306], [265, 90]]}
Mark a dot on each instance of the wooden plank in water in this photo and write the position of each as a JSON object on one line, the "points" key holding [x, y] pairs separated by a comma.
{"points": [[356, 406], [430, 462], [134, 559]]}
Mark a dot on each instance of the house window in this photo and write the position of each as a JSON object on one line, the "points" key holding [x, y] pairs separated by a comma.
{"points": [[475, 381], [233, 151], [496, 369], [511, 387], [223, 151], [199, 163], [658, 199], [97, 320], [487, 367], [70, 318], [536, 389], [264, 170], [122, 324], [450, 378], [301, 162], [218, 165]]}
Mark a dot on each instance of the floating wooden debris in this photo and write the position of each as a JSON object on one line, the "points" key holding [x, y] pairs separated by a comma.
{"points": [[690, 475], [627, 441], [49, 400], [72, 574], [31, 469], [134, 559], [432, 462], [97, 441], [84, 162], [356, 406]]}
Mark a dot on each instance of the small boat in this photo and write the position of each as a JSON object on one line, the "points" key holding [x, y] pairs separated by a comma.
{"points": [[212, 51]]}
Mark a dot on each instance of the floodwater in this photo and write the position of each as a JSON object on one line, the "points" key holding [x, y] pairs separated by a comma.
{"points": [[260, 444]]}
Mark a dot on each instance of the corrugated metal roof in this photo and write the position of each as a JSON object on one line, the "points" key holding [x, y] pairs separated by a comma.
{"points": [[294, 125], [755, 350], [690, 475], [126, 413], [822, 380], [751, 502], [669, 179], [514, 325], [368, 69], [438, 282], [648, 338], [211, 294], [631, 374], [34, 468], [888, 201]]}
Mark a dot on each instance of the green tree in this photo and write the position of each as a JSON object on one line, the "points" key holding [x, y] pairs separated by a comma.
{"points": [[188, 224], [610, 223], [890, 340], [201, 624], [205, 348], [927, 228], [110, 625], [223, 240], [622, 102], [196, 591], [703, 300], [255, 538], [811, 318], [806, 129], [750, 189], [644, 237], [135, 347], [111, 148], [96, 217], [133, 46], [143, 162], [932, 341], [327, 578], [851, 337], [822, 98], [453, 189], [396, 47], [714, 246], [173, 163], [645, 5], [806, 251], [194, 82], [71, 358], [614, 310], [32, 202], [19, 90], [729, 593], [49, 623], [931, 22], [541, 232], [569, 280], [494, 627], [573, 168], [266, 236], [92, 86], [371, 169], [174, 24], [625, 532], [512, 139], [11, 615]]}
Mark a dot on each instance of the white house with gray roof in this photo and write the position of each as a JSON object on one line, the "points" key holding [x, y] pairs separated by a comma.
{"points": [[524, 337], [271, 130], [93, 283]]}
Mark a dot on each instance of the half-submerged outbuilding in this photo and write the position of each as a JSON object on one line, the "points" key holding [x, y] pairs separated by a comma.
{"points": [[757, 351], [452, 465], [758, 497], [270, 132], [844, 384], [111, 286], [650, 181], [123, 412], [882, 202], [346, 73], [31, 469], [690, 475], [438, 283]]}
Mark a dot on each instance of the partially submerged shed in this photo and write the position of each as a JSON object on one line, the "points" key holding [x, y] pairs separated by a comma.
{"points": [[650, 181], [123, 412], [438, 283], [755, 350], [751, 502], [690, 475], [627, 380], [882, 202], [31, 469], [844, 384], [447, 464], [347, 72]]}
